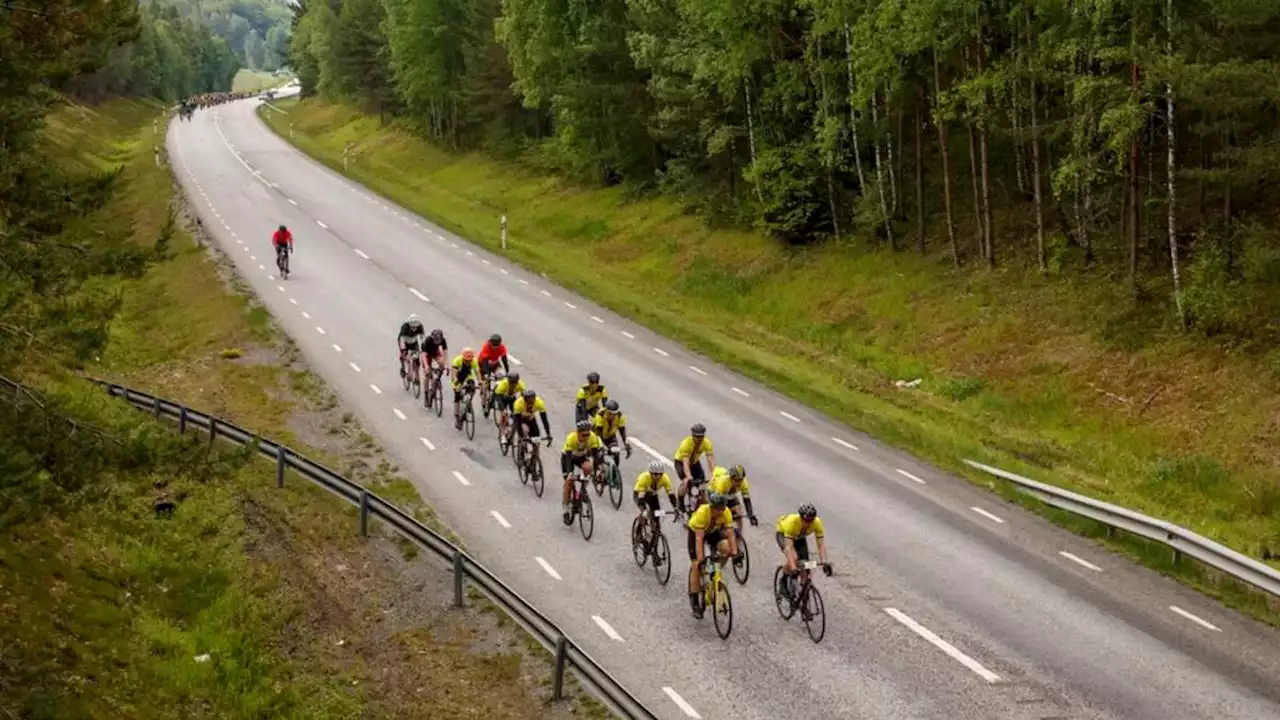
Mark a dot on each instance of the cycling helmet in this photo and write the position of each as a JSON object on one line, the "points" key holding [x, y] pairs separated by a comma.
{"points": [[698, 430], [611, 406], [717, 500], [283, 228], [737, 472], [437, 334], [655, 467], [808, 512], [514, 377], [530, 394], [468, 354], [593, 377], [495, 339], [413, 318], [584, 425]]}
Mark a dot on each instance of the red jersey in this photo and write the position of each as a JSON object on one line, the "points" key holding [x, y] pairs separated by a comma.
{"points": [[490, 355], [279, 238]]}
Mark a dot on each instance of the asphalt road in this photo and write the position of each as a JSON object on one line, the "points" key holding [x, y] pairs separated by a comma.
{"points": [[946, 603]]}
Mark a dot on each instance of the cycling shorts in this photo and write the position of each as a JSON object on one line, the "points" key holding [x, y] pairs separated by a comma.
{"points": [[699, 476], [648, 500], [711, 539], [529, 425], [801, 545]]}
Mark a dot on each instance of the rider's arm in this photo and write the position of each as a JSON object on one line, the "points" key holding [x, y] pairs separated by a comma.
{"points": [[822, 550], [506, 368], [622, 430], [546, 424], [747, 502]]}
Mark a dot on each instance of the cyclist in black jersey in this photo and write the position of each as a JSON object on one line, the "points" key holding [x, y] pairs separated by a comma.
{"points": [[410, 339]]}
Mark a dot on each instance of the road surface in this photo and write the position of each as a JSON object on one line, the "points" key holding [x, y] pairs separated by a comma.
{"points": [[947, 602]]}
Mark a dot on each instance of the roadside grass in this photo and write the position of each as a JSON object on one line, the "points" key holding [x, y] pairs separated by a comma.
{"points": [[210, 591], [247, 80], [1059, 378]]}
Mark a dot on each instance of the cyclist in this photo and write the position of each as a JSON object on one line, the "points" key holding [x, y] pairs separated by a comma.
{"points": [[580, 446], [590, 396], [504, 397], [645, 492], [709, 525], [527, 409], [465, 370], [732, 483], [610, 424], [792, 536], [687, 459], [282, 242], [491, 354], [410, 340], [434, 348]]}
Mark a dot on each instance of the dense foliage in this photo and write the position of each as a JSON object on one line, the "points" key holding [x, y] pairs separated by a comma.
{"points": [[1134, 135], [257, 31]]}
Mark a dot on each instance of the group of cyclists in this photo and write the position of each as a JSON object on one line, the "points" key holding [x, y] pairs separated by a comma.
{"points": [[714, 508], [188, 106]]}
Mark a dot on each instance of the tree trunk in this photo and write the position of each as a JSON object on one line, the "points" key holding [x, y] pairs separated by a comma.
{"points": [[895, 166], [1170, 172], [853, 114], [988, 234], [1135, 205], [920, 130], [946, 161], [884, 208], [751, 138], [980, 234], [1035, 182]]}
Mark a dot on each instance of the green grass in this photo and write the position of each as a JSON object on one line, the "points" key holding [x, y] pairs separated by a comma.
{"points": [[1060, 378], [253, 80]]}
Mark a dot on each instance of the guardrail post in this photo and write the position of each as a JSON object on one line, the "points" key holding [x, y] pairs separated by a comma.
{"points": [[557, 680], [280, 465], [182, 420], [364, 514], [155, 407], [457, 578], [213, 428], [1177, 557]]}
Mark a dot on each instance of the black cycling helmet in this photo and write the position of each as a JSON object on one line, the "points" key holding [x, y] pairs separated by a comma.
{"points": [[584, 425], [737, 472], [593, 377], [495, 339], [437, 334], [698, 430], [808, 512], [283, 228], [514, 376], [612, 406], [530, 394]]}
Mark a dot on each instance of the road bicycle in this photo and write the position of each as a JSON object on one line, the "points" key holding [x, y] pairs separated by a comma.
{"points": [[580, 505], [435, 391], [715, 596], [504, 438], [467, 412], [412, 377], [282, 261], [529, 464], [741, 563], [486, 393], [804, 598], [648, 541], [610, 475]]}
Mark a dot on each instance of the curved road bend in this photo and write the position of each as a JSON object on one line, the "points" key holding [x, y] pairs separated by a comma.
{"points": [[947, 602]]}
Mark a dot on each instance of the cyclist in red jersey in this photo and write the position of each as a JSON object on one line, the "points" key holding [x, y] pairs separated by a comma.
{"points": [[491, 353], [282, 242]]}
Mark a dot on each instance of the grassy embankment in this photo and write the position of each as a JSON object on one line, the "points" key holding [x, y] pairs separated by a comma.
{"points": [[247, 80], [246, 601], [1050, 377]]}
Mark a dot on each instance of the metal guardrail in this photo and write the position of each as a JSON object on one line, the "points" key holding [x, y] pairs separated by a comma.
{"points": [[1180, 539], [568, 655]]}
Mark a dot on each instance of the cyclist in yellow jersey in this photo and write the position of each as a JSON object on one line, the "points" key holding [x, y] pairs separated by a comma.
{"points": [[792, 532], [645, 492], [505, 394], [732, 483], [610, 424], [581, 445], [527, 409], [711, 524], [688, 460], [590, 396], [465, 371]]}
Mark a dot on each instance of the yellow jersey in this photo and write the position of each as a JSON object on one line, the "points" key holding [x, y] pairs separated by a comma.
{"points": [[593, 396], [791, 526], [465, 370], [606, 427], [505, 389], [724, 485], [648, 483], [706, 520], [581, 448], [686, 449], [521, 407]]}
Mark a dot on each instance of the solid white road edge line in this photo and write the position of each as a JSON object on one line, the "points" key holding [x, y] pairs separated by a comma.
{"points": [[607, 628], [788, 416], [653, 453], [501, 520], [679, 701], [1195, 619], [986, 514], [909, 476], [1079, 560], [943, 645], [550, 570], [428, 444], [398, 413], [461, 479]]}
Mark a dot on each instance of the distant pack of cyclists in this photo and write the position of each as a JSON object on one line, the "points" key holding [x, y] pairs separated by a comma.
{"points": [[200, 101]]}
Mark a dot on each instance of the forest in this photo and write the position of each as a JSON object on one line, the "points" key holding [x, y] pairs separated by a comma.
{"points": [[257, 31], [1132, 138]]}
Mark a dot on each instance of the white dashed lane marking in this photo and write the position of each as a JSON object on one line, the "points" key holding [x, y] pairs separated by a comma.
{"points": [[280, 288], [307, 315], [321, 224], [419, 295], [501, 520], [844, 443], [570, 305], [662, 352], [987, 515], [909, 476], [353, 365], [320, 330], [943, 645], [1079, 560], [788, 416], [398, 413], [461, 479], [361, 254], [377, 390], [697, 369], [1195, 619], [547, 566], [486, 262], [524, 282], [337, 347], [295, 302], [271, 277], [544, 292], [593, 317], [628, 335], [607, 628], [262, 267], [428, 444], [514, 360], [292, 201], [685, 707]]}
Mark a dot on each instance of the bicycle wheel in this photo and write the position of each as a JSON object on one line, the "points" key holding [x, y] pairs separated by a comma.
{"points": [[779, 597], [417, 381], [438, 397], [614, 476], [815, 617], [405, 379], [722, 613], [503, 447], [597, 481], [661, 559], [742, 570], [539, 482], [469, 420], [586, 517], [639, 542], [522, 465]]}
